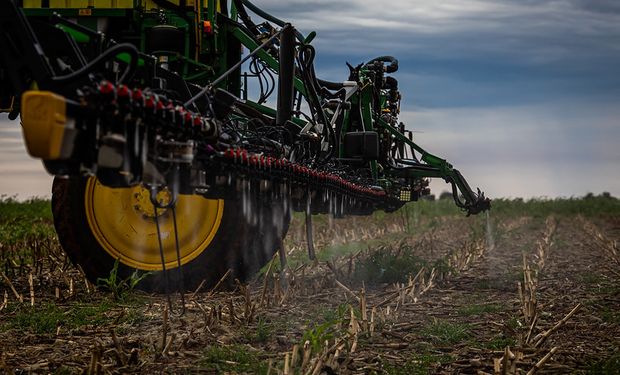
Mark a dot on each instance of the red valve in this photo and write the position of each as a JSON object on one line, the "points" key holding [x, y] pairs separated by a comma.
{"points": [[122, 91], [137, 95], [106, 87], [188, 118], [149, 102]]}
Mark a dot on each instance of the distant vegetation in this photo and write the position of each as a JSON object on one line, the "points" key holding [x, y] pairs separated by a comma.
{"points": [[34, 208], [589, 205], [21, 221]]}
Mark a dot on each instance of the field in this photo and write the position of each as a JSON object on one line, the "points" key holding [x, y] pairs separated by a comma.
{"points": [[534, 287]]}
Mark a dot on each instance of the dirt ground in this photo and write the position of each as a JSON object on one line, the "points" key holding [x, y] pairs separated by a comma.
{"points": [[395, 294]]}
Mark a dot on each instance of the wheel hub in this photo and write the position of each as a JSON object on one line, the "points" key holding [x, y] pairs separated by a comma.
{"points": [[142, 202]]}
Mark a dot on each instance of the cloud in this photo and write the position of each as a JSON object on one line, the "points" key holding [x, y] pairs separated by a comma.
{"points": [[529, 134], [527, 151], [598, 6], [470, 52], [512, 180], [457, 28]]}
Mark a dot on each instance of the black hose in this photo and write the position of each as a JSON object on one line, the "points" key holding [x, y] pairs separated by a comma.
{"points": [[258, 72], [267, 16], [386, 59], [390, 83], [243, 14], [263, 14], [455, 195], [101, 59], [330, 85], [307, 54]]}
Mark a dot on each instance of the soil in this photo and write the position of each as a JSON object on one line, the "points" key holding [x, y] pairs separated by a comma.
{"points": [[516, 294]]}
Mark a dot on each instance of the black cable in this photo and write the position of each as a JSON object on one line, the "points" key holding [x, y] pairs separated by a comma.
{"points": [[298, 101], [306, 58], [266, 80], [298, 113], [112, 51], [178, 252], [161, 253], [257, 72], [272, 86], [261, 72], [307, 54]]}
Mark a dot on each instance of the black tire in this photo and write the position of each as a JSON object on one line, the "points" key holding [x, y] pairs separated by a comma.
{"points": [[241, 245]]}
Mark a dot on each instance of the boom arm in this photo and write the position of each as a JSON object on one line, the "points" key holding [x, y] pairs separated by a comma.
{"points": [[438, 167]]}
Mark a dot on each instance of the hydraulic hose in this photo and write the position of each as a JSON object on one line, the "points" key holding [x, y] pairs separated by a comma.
{"points": [[101, 59], [243, 14], [286, 75], [386, 59], [390, 83], [266, 16], [306, 57]]}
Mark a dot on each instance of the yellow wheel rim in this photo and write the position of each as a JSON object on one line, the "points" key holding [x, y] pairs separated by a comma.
{"points": [[123, 222]]}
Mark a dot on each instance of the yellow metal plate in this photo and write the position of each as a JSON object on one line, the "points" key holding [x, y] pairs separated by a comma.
{"points": [[43, 116]]}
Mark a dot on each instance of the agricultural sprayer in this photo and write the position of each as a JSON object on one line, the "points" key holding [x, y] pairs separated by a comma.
{"points": [[153, 117]]}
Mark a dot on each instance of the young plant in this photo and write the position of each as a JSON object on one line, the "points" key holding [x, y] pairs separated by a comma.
{"points": [[120, 287], [446, 333], [318, 334]]}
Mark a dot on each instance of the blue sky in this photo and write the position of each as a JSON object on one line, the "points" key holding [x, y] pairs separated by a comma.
{"points": [[522, 96]]}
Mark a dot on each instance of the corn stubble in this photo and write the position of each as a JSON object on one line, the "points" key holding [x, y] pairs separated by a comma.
{"points": [[367, 309]]}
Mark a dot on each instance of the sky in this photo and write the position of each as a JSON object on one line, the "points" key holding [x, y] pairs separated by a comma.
{"points": [[523, 97]]}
